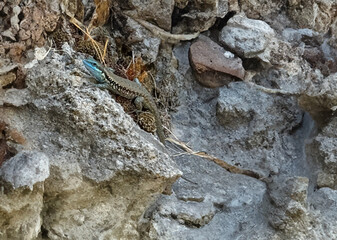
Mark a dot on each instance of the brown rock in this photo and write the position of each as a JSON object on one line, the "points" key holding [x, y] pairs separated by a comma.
{"points": [[214, 66]]}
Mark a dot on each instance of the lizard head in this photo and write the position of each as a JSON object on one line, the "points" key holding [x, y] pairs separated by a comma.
{"points": [[96, 69]]}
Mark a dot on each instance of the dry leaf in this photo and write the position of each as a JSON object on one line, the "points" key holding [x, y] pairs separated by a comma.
{"points": [[137, 69]]}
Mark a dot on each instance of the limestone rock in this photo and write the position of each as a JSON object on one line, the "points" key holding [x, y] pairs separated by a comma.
{"points": [[261, 9], [25, 169], [214, 66], [248, 38], [20, 212], [314, 14], [142, 40], [327, 145], [320, 96], [108, 182], [158, 11], [195, 16], [240, 103]]}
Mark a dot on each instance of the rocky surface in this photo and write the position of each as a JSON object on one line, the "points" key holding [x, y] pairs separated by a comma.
{"points": [[248, 38], [118, 173], [74, 165]]}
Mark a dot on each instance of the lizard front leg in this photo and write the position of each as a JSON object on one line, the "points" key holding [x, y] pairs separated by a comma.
{"points": [[139, 103]]}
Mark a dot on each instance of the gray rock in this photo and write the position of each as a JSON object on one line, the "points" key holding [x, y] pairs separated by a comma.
{"points": [[296, 35], [289, 198], [16, 97], [320, 95], [326, 144], [197, 17], [142, 41], [317, 15], [112, 178], [239, 104], [25, 169], [205, 206], [248, 38], [159, 11]]}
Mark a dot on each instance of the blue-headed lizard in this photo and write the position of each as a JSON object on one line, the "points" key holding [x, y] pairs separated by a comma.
{"points": [[129, 89]]}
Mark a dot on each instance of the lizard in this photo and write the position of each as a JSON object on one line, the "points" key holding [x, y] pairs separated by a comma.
{"points": [[123, 87]]}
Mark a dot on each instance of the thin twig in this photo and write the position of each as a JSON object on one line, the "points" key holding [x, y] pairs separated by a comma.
{"points": [[221, 163], [166, 36]]}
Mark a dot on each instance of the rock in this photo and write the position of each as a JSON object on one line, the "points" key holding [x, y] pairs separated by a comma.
{"points": [[239, 104], [204, 207], [191, 16], [326, 180], [21, 211], [324, 202], [16, 97], [327, 147], [248, 38], [7, 79], [107, 175], [320, 96], [333, 40], [317, 15], [142, 41], [261, 9], [27, 27], [297, 35], [214, 66], [119, 172], [158, 11], [25, 169], [290, 201]]}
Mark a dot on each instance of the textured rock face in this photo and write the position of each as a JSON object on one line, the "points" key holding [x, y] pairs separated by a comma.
{"points": [[159, 11], [74, 165], [102, 170], [248, 38], [26, 169]]}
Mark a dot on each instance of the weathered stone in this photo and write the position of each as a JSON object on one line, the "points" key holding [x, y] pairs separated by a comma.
{"points": [[314, 14], [16, 97], [248, 38], [320, 96], [106, 173], [106, 185], [290, 202], [142, 41], [327, 145], [296, 35], [7, 79], [197, 16], [333, 40], [214, 66], [261, 9], [20, 212], [25, 169], [326, 180], [240, 103], [158, 11]]}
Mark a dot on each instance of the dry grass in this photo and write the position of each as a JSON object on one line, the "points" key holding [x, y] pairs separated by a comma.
{"points": [[94, 43], [221, 163]]}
